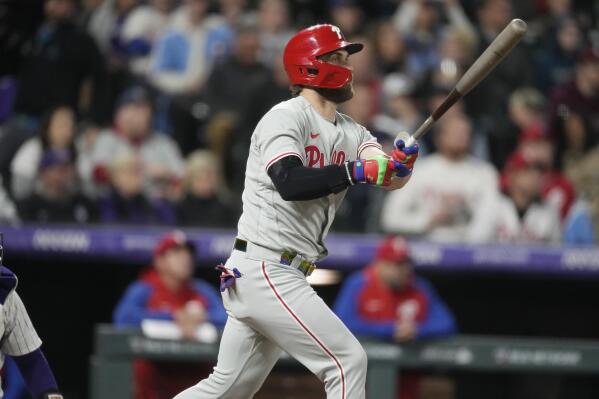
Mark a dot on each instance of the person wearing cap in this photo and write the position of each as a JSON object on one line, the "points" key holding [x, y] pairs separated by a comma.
{"points": [[538, 149], [304, 156], [56, 197], [132, 132], [451, 193], [521, 215], [168, 291], [387, 301]]}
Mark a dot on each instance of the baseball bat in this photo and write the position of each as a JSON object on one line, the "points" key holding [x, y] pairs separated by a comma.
{"points": [[497, 50]]}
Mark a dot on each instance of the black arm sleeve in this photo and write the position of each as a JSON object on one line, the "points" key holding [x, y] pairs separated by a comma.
{"points": [[295, 182]]}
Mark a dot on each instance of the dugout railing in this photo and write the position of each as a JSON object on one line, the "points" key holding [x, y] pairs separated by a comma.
{"points": [[116, 348]]}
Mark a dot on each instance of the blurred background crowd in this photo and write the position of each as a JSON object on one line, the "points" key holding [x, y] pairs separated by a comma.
{"points": [[140, 112]]}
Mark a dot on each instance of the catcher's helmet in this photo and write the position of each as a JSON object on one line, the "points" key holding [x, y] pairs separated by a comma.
{"points": [[301, 62]]}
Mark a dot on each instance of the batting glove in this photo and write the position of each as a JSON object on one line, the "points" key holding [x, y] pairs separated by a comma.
{"points": [[377, 170], [405, 157]]}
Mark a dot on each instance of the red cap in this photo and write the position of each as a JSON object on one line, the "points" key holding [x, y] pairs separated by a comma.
{"points": [[393, 249], [172, 240], [589, 55], [301, 53], [516, 161], [533, 133]]}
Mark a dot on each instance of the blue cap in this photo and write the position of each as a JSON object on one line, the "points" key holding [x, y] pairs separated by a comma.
{"points": [[134, 95], [54, 158]]}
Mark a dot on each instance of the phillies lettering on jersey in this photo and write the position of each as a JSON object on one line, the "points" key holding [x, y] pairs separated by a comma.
{"points": [[315, 157], [294, 128]]}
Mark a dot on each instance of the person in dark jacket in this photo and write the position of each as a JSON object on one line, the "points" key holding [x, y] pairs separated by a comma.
{"points": [[125, 201], [62, 61], [56, 198], [204, 203]]}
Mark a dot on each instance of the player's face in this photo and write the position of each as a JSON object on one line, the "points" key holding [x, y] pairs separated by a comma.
{"points": [[396, 274], [177, 263], [338, 96]]}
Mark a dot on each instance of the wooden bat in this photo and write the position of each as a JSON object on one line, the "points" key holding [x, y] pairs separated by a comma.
{"points": [[497, 50]]}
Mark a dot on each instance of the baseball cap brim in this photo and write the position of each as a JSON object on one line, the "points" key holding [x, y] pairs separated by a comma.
{"points": [[353, 48]]}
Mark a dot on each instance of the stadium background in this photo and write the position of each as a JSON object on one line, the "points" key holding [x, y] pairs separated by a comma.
{"points": [[67, 292]]}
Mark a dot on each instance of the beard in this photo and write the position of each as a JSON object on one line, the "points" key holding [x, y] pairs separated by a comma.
{"points": [[337, 96]]}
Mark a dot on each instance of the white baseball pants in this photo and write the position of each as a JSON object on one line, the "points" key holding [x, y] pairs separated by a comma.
{"points": [[271, 309]]}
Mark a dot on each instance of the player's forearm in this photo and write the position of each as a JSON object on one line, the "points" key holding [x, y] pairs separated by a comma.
{"points": [[37, 374], [295, 182]]}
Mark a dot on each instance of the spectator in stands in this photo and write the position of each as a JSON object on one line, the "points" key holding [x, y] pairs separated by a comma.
{"points": [[132, 132], [141, 30], [390, 47], [419, 22], [125, 201], [454, 55], [556, 59], [273, 24], [262, 101], [579, 96], [8, 212], [521, 215], [64, 64], [400, 113], [489, 111], [233, 84], [56, 198], [56, 132], [556, 188], [232, 88], [451, 193], [103, 20], [235, 11], [179, 65], [205, 203], [527, 112], [387, 301], [579, 158], [582, 225], [347, 15], [168, 292]]}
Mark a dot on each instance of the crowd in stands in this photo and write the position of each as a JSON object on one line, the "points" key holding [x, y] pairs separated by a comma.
{"points": [[141, 112]]}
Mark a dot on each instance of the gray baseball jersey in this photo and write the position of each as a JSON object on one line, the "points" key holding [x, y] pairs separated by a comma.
{"points": [[293, 127], [18, 335]]}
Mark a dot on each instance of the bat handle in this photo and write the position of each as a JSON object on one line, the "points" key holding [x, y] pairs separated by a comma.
{"points": [[411, 140]]}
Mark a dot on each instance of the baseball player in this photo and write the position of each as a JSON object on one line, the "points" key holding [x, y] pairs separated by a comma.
{"points": [[303, 156], [20, 341]]}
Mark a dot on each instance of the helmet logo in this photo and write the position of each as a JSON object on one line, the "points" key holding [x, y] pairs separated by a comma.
{"points": [[337, 31]]}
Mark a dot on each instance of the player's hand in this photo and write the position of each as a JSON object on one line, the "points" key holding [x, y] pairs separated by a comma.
{"points": [[406, 156], [377, 170], [405, 331]]}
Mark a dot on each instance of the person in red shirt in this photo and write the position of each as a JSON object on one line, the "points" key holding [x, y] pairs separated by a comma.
{"points": [[539, 150], [388, 301], [167, 291]]}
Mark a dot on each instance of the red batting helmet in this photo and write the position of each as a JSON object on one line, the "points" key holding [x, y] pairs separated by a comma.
{"points": [[301, 57]]}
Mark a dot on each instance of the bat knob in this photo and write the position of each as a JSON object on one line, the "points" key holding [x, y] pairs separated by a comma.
{"points": [[406, 138]]}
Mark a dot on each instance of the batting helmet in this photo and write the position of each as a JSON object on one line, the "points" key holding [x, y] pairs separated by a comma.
{"points": [[301, 57]]}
